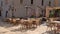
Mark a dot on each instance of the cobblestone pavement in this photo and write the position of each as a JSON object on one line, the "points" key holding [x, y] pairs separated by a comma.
{"points": [[6, 28]]}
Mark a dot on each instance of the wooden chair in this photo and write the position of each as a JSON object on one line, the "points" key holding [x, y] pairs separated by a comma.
{"points": [[34, 24], [49, 25], [38, 22], [58, 29], [21, 21], [6, 20], [18, 21], [26, 24]]}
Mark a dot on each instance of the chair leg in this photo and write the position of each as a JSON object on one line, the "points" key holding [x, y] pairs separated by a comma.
{"points": [[49, 28]]}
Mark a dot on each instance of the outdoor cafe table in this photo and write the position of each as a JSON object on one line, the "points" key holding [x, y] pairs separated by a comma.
{"points": [[55, 23]]}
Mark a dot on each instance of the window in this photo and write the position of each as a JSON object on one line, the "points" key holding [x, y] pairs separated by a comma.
{"points": [[0, 12], [6, 1], [49, 3], [42, 2], [21, 1], [31, 1], [1, 3]]}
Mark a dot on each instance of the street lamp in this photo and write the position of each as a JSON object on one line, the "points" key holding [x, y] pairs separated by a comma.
{"points": [[26, 10], [12, 12], [27, 7], [12, 9]]}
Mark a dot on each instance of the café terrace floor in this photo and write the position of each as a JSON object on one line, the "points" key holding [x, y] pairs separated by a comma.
{"points": [[6, 28]]}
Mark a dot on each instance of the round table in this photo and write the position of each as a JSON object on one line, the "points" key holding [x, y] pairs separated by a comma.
{"points": [[58, 22]]}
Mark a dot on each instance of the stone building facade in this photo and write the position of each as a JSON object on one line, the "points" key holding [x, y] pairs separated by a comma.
{"points": [[25, 8]]}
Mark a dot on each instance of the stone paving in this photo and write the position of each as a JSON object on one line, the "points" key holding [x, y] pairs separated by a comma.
{"points": [[6, 28]]}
